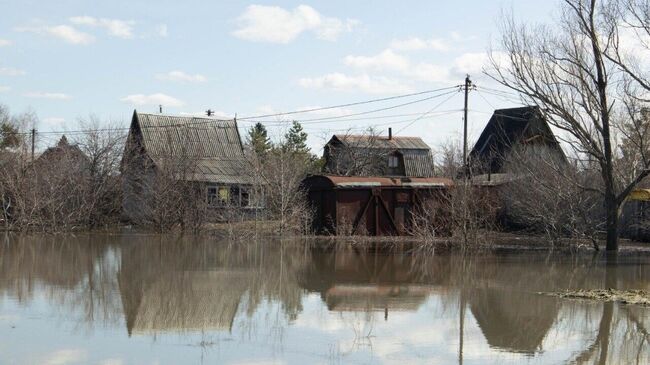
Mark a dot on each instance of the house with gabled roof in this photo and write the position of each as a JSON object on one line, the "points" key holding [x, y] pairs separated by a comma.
{"points": [[205, 151], [511, 129], [373, 155]]}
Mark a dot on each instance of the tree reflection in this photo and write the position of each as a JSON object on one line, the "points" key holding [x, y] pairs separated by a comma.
{"points": [[150, 284]]}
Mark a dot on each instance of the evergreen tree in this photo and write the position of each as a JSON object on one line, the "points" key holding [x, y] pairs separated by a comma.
{"points": [[259, 140], [295, 140], [9, 133]]}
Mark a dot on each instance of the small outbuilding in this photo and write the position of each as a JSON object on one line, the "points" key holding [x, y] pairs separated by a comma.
{"points": [[376, 206]]}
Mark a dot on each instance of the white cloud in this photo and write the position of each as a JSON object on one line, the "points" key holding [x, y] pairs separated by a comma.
{"points": [[365, 83], [115, 27], [415, 43], [161, 30], [470, 63], [8, 71], [62, 357], [64, 32], [274, 24], [181, 76], [112, 362], [153, 99], [4, 89], [5, 42], [429, 72], [54, 121], [386, 60], [46, 95]]}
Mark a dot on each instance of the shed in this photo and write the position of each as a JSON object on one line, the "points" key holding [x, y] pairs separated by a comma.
{"points": [[369, 155], [378, 206], [508, 129]]}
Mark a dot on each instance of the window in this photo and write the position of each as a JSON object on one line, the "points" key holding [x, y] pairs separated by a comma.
{"points": [[393, 161], [212, 195], [224, 195]]}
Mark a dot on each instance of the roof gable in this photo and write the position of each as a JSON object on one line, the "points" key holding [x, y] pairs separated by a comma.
{"points": [[164, 135], [508, 127], [213, 144]]}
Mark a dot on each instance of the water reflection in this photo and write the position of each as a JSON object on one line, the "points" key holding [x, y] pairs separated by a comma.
{"points": [[297, 302]]}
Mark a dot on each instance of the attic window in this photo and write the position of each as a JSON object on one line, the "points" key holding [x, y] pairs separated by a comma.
{"points": [[393, 161]]}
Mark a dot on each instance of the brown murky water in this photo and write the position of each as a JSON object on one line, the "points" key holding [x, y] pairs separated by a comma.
{"points": [[144, 299]]}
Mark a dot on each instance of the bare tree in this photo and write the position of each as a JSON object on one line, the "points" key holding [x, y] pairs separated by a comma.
{"points": [[546, 195], [357, 154], [571, 71]]}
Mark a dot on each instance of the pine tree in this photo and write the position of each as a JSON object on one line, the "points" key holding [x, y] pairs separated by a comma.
{"points": [[258, 139], [296, 139], [9, 133]]}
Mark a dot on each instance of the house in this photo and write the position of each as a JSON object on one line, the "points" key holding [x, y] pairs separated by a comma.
{"points": [[204, 151], [376, 206], [63, 157], [509, 130], [371, 155]]}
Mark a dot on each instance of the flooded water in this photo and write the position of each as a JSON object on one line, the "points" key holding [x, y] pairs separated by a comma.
{"points": [[144, 299]]}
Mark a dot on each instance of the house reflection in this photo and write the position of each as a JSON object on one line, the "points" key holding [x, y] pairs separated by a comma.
{"points": [[353, 279], [513, 321], [172, 287], [149, 284]]}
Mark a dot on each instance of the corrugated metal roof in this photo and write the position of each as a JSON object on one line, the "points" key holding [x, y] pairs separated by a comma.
{"points": [[365, 141], [417, 163], [215, 144]]}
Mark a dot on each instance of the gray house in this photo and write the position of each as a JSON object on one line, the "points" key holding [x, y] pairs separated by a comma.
{"points": [[370, 155], [204, 151]]}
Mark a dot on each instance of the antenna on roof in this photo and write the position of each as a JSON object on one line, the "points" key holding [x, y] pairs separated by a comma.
{"points": [[160, 108], [235, 118], [209, 112]]}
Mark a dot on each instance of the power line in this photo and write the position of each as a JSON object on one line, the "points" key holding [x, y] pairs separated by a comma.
{"points": [[348, 104], [329, 119], [247, 119], [425, 113]]}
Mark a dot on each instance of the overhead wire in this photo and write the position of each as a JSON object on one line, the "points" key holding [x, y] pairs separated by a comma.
{"points": [[427, 112], [347, 104], [329, 119]]}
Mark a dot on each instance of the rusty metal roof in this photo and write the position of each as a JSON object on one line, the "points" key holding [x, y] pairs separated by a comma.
{"points": [[214, 144], [366, 181]]}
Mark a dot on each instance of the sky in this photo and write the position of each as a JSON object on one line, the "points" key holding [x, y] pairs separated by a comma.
{"points": [[66, 60]]}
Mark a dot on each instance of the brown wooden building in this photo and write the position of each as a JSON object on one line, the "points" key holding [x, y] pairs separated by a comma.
{"points": [[369, 155], [377, 206], [205, 151]]}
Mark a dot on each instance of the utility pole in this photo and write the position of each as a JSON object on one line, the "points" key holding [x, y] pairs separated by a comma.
{"points": [[468, 83], [33, 142]]}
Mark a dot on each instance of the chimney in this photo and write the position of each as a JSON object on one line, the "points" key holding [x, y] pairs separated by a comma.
{"points": [[160, 108], [390, 133]]}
